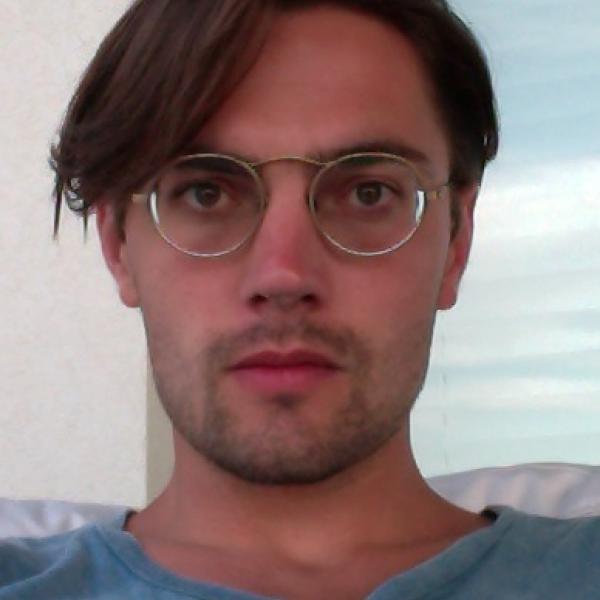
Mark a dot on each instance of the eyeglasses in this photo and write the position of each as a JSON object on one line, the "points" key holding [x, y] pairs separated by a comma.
{"points": [[209, 205]]}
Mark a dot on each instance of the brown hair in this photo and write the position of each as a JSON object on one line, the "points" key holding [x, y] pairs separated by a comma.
{"points": [[168, 64]]}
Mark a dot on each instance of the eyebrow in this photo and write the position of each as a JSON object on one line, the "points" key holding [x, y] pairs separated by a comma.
{"points": [[384, 146]]}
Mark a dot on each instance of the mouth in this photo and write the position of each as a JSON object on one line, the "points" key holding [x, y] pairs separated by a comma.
{"points": [[271, 372]]}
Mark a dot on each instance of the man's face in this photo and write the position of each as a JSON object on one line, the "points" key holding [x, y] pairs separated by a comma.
{"points": [[289, 361]]}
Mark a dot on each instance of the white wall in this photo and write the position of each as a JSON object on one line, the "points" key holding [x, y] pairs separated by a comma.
{"points": [[72, 360]]}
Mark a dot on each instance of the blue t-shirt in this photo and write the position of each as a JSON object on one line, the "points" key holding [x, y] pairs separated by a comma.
{"points": [[518, 557]]}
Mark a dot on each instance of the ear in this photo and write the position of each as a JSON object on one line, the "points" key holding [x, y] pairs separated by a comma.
{"points": [[115, 251], [460, 245]]}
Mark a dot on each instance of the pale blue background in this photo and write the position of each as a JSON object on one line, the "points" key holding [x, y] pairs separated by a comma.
{"points": [[515, 373]]}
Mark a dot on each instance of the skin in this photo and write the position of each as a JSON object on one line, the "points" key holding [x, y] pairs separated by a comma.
{"points": [[345, 490]]}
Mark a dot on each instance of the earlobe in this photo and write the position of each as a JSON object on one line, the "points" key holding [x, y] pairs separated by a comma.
{"points": [[115, 252], [459, 248]]}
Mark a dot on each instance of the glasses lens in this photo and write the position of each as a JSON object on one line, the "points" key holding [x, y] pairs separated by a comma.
{"points": [[208, 204], [367, 203]]}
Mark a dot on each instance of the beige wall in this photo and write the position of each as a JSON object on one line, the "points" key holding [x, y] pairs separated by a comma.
{"points": [[72, 360], [159, 447]]}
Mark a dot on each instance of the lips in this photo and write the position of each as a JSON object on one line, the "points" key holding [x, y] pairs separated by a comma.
{"points": [[272, 373], [297, 358]]}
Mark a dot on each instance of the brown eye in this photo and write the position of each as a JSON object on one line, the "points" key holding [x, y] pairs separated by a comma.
{"points": [[369, 193], [204, 195]]}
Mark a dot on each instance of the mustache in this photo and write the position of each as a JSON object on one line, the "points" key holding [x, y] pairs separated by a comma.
{"points": [[343, 342]]}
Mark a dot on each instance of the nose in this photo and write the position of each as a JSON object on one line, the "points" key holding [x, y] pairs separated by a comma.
{"points": [[285, 265]]}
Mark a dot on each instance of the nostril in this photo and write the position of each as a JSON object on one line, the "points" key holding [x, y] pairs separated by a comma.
{"points": [[283, 301], [258, 300]]}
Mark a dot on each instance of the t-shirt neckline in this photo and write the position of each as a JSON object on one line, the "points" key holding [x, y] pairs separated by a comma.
{"points": [[437, 571]]}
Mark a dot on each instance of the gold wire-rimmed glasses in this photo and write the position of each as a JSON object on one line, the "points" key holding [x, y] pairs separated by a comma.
{"points": [[366, 204]]}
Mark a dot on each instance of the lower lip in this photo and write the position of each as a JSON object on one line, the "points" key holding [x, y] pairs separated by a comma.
{"points": [[299, 378]]}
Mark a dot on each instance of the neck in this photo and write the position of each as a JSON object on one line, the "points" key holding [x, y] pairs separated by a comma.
{"points": [[382, 501]]}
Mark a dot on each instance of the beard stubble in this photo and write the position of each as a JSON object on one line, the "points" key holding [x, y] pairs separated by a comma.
{"points": [[286, 448]]}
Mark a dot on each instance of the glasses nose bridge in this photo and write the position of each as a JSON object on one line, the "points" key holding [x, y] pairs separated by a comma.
{"points": [[304, 160], [317, 165], [298, 184], [289, 158]]}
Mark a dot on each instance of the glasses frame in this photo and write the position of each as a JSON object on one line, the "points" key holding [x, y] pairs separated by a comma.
{"points": [[423, 197]]}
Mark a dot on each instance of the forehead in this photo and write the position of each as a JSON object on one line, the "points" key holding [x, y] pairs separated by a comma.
{"points": [[327, 78]]}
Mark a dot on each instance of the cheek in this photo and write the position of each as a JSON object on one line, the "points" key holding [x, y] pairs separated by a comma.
{"points": [[181, 322], [190, 302], [392, 299], [395, 318], [183, 291], [395, 290], [187, 304], [396, 323]]}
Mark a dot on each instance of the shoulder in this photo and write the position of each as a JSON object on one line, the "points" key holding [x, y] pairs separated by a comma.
{"points": [[75, 564], [547, 553], [26, 558], [531, 530]]}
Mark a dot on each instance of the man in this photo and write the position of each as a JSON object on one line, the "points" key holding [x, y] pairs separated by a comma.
{"points": [[286, 191]]}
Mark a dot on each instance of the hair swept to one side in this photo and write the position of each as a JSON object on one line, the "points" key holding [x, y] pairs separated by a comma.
{"points": [[168, 65], [156, 77]]}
